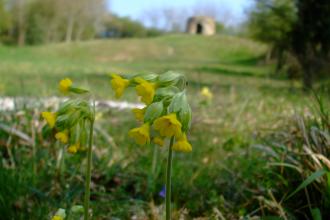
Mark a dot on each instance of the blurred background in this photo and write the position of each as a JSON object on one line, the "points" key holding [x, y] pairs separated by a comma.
{"points": [[258, 82]]}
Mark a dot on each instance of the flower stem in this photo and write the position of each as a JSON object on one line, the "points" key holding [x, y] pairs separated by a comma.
{"points": [[168, 181], [154, 161], [88, 172]]}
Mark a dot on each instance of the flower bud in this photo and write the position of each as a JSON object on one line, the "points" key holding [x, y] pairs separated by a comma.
{"points": [[151, 77], [177, 102], [169, 78], [78, 90], [185, 116], [62, 122], [61, 213], [77, 209], [165, 92], [180, 105], [153, 111]]}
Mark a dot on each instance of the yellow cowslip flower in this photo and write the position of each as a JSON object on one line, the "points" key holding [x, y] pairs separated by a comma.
{"points": [[168, 125], [57, 217], [139, 113], [65, 85], [119, 84], [159, 141], [73, 148], [206, 93], [182, 144], [145, 89], [62, 136], [141, 134], [50, 117]]}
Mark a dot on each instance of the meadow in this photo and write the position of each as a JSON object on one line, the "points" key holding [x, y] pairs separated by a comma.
{"points": [[253, 143]]}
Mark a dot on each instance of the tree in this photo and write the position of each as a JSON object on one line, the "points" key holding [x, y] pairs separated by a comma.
{"points": [[310, 37], [5, 21], [79, 17], [298, 27], [43, 21], [19, 10], [40, 21], [271, 22]]}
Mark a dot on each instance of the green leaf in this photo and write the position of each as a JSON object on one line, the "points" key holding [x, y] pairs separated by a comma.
{"points": [[282, 164], [317, 174], [78, 90], [328, 181], [316, 214]]}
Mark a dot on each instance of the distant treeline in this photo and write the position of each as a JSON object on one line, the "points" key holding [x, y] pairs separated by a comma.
{"points": [[45, 21]]}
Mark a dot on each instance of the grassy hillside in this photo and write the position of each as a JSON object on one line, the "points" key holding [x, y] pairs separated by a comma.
{"points": [[231, 59]]}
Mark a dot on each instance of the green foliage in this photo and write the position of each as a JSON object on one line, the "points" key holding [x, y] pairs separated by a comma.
{"points": [[316, 214], [220, 27], [298, 29], [303, 164], [271, 21], [5, 22], [40, 15], [310, 38], [45, 21], [123, 27]]}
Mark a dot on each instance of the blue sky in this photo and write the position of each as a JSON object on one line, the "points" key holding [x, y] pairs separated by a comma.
{"points": [[135, 8]]}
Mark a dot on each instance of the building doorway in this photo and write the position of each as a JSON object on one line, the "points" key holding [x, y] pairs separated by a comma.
{"points": [[199, 29]]}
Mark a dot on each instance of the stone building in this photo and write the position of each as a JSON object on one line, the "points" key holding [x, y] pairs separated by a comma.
{"points": [[201, 25]]}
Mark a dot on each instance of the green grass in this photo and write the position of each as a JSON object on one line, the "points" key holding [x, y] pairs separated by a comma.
{"points": [[224, 172], [35, 70]]}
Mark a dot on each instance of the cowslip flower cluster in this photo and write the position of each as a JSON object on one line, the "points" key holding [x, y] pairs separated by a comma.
{"points": [[70, 121], [167, 113]]}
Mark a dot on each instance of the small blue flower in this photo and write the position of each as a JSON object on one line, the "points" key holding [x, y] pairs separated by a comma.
{"points": [[162, 193]]}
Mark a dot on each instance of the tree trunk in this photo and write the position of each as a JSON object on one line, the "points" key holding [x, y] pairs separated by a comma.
{"points": [[281, 59], [268, 56], [69, 29], [21, 36], [80, 30], [21, 25], [307, 76]]}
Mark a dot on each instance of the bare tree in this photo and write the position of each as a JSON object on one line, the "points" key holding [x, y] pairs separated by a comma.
{"points": [[174, 19], [19, 11], [78, 15], [90, 15], [151, 18], [219, 12]]}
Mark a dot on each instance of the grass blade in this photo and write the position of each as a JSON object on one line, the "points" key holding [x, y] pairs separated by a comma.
{"points": [[316, 214], [317, 174]]}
